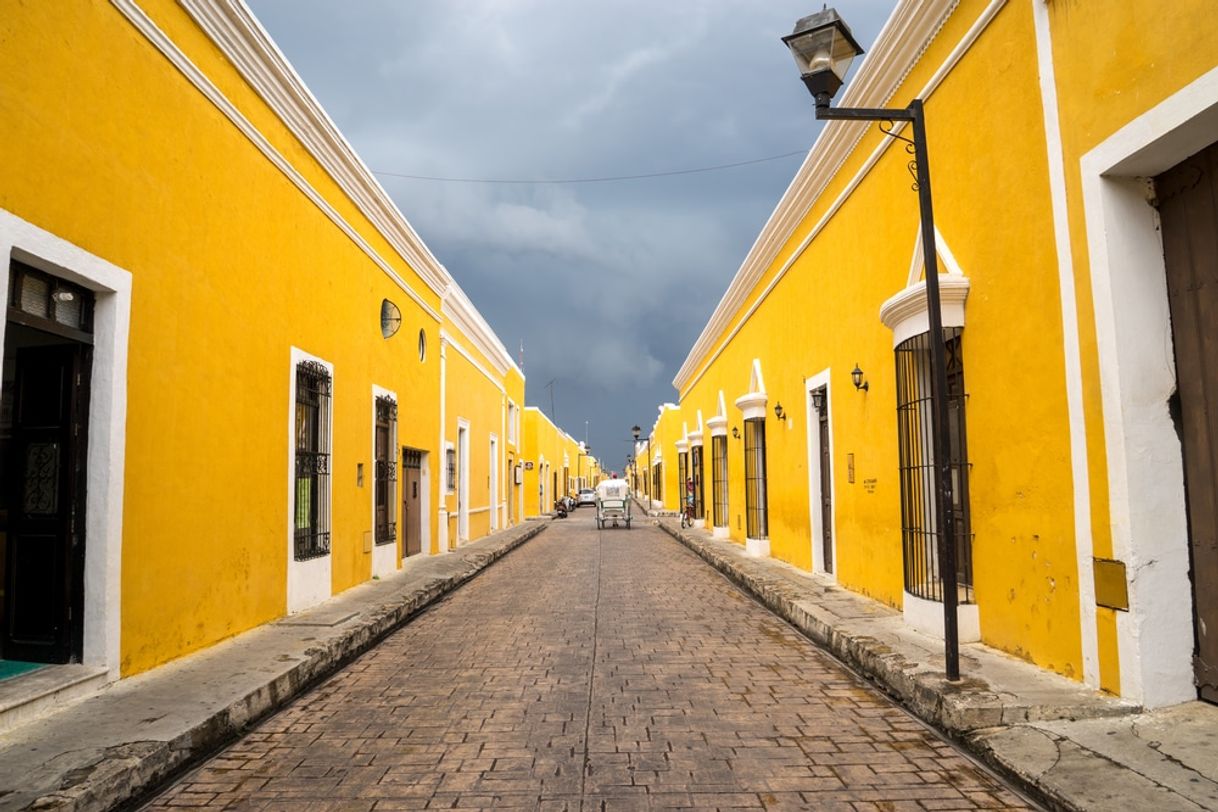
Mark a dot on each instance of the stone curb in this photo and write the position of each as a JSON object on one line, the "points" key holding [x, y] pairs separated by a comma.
{"points": [[970, 712], [128, 774]]}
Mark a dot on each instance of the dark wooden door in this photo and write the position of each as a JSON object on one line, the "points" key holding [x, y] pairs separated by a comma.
{"points": [[412, 516], [1188, 207], [826, 489], [44, 564]]}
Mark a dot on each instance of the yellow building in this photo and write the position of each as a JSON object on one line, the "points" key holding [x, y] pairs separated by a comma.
{"points": [[233, 371], [554, 463], [1054, 131], [482, 393]]}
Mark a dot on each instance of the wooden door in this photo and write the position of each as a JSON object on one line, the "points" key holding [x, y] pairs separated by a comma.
{"points": [[412, 515], [44, 564], [1188, 206]]}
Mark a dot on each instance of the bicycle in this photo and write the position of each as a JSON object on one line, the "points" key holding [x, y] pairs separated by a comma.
{"points": [[687, 515]]}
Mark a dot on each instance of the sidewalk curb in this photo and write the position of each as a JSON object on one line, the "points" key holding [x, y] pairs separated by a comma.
{"points": [[970, 713], [128, 774]]}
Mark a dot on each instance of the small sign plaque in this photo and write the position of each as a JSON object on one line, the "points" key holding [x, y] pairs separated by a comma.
{"points": [[528, 466], [869, 485]]}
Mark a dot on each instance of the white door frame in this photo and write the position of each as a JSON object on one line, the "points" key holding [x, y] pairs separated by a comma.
{"points": [[385, 557], [462, 480], [811, 384], [106, 455], [1137, 376], [494, 482]]}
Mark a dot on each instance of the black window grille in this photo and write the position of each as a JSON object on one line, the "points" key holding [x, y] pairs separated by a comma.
{"points": [[695, 472], [386, 469], [657, 482], [919, 512], [719, 478], [756, 514], [312, 509], [450, 468]]}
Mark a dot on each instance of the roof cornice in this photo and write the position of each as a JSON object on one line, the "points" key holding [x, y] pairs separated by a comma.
{"points": [[457, 307], [910, 29], [232, 27]]}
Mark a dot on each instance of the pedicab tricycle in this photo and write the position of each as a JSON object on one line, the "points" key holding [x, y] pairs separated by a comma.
{"points": [[613, 503]]}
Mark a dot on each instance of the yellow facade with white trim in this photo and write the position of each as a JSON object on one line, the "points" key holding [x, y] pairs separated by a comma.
{"points": [[806, 306], [251, 235]]}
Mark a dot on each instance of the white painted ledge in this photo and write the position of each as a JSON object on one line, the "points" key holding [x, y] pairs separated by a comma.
{"points": [[927, 617]]}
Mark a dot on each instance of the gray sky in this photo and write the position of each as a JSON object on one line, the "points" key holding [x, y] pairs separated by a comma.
{"points": [[607, 284]]}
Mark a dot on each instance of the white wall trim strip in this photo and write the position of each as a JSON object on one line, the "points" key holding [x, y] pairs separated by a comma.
{"points": [[1079, 474], [144, 24]]}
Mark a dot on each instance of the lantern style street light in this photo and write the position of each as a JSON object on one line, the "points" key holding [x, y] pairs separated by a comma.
{"points": [[823, 48]]}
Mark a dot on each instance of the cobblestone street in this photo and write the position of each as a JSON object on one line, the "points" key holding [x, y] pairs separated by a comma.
{"points": [[592, 670]]}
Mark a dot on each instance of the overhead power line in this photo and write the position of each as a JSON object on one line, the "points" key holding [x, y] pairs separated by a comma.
{"points": [[606, 179]]}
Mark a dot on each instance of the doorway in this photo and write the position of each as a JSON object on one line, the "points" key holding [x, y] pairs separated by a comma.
{"points": [[493, 482], [510, 471], [1187, 196], [412, 505], [821, 474], [43, 442]]}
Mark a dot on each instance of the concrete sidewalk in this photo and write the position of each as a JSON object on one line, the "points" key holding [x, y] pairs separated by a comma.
{"points": [[1070, 747], [118, 744]]}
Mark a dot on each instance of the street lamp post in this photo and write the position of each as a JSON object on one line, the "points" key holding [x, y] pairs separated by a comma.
{"points": [[823, 48], [636, 431]]}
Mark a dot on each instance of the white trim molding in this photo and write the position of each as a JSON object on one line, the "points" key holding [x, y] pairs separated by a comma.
{"points": [[811, 384], [234, 30], [1080, 476], [1145, 467], [107, 423], [309, 582], [161, 41], [385, 557], [907, 315], [910, 29]]}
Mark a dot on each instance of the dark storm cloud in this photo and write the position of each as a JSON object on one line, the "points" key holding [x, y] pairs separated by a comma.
{"points": [[607, 284]]}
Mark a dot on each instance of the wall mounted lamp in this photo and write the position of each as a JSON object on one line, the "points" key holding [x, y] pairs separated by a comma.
{"points": [[779, 412], [856, 375], [736, 432]]}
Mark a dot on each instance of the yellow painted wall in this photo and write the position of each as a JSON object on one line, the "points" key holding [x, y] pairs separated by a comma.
{"points": [[987, 149], [475, 393], [232, 266]]}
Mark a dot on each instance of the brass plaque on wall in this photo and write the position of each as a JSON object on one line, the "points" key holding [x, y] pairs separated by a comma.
{"points": [[1111, 589]]}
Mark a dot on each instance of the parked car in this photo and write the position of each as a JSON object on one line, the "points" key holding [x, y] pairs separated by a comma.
{"points": [[587, 496]]}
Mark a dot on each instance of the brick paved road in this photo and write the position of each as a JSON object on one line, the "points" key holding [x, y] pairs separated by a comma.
{"points": [[590, 671]]}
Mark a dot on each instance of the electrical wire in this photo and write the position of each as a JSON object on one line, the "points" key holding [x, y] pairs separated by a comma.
{"points": [[606, 179]]}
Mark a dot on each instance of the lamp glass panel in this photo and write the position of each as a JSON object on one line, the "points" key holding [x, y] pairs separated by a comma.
{"points": [[823, 48]]}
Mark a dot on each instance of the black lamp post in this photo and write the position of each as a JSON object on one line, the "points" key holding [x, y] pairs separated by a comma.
{"points": [[823, 48], [636, 431]]}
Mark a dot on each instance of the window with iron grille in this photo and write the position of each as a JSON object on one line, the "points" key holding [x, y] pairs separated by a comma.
{"points": [[386, 468], [312, 507], [719, 478], [450, 470], [657, 482], [755, 509], [919, 511], [695, 473]]}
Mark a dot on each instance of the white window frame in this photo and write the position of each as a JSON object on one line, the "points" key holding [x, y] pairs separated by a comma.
{"points": [[308, 581]]}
